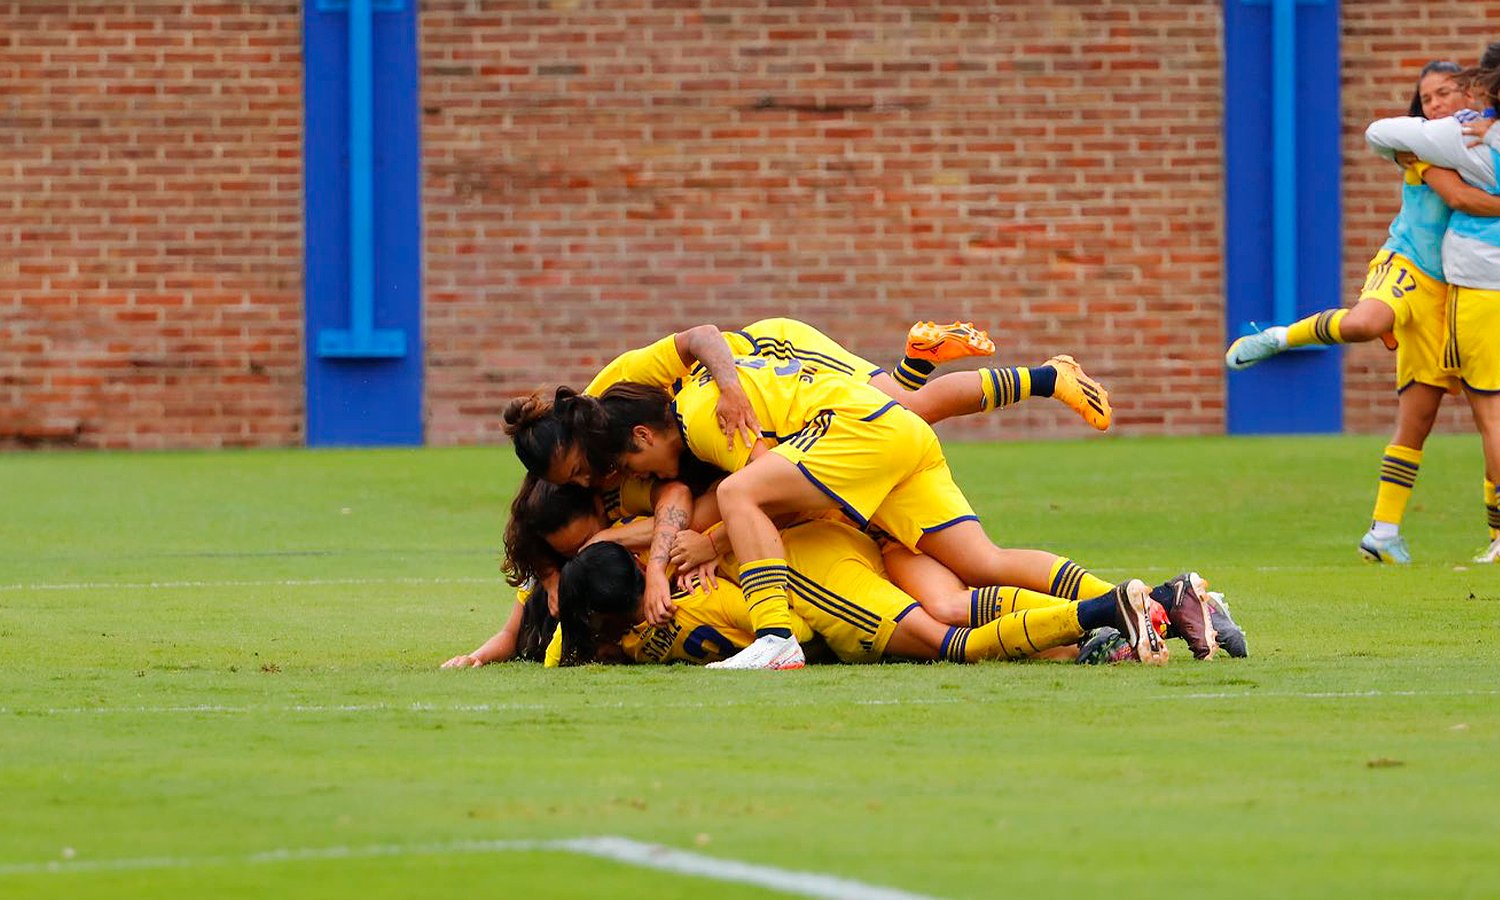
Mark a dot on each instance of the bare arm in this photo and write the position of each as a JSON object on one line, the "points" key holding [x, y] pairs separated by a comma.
{"points": [[706, 509], [674, 504], [633, 536], [706, 344], [500, 648], [1461, 195]]}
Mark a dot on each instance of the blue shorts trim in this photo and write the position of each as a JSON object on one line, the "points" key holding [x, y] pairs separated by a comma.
{"points": [[850, 511], [902, 614], [879, 412], [950, 523], [831, 603]]}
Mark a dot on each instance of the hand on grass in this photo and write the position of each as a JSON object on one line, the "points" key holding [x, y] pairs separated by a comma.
{"points": [[463, 661]]}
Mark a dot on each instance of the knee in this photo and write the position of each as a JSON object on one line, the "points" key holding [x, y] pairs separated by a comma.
{"points": [[734, 494], [950, 609]]}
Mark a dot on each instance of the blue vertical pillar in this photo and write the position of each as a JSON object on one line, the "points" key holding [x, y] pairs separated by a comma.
{"points": [[362, 173], [1283, 208]]}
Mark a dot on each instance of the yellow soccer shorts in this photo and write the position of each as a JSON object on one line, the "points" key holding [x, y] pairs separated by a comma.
{"points": [[838, 586], [791, 339], [885, 468], [1472, 346], [1418, 301]]}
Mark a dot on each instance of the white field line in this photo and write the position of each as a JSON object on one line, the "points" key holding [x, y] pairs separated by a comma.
{"points": [[281, 582], [319, 709], [615, 849]]}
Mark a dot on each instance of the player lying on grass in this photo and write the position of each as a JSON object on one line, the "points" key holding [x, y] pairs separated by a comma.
{"points": [[630, 415], [549, 524], [839, 594], [828, 442], [668, 363], [697, 556]]}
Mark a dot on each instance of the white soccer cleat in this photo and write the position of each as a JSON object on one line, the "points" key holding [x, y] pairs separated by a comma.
{"points": [[769, 652], [1385, 550], [1491, 553], [1252, 348]]}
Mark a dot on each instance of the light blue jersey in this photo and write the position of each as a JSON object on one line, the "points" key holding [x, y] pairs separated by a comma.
{"points": [[1471, 246], [1417, 231], [1485, 229]]}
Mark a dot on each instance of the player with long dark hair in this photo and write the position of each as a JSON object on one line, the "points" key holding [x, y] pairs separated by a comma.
{"points": [[1402, 301]]}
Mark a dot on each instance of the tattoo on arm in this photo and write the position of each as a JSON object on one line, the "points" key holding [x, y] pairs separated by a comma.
{"points": [[669, 521]]}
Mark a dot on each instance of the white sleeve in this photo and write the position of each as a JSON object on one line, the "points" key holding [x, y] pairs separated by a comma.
{"points": [[1437, 141]]}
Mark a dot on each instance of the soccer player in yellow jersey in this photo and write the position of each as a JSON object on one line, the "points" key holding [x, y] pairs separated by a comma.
{"points": [[831, 442], [553, 439], [668, 362], [548, 525], [838, 593]]}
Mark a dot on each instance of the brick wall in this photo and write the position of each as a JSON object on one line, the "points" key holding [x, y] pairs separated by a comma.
{"points": [[600, 173], [150, 223], [1385, 44]]}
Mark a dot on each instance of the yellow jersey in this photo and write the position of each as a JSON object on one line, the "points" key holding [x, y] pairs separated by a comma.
{"points": [[790, 339], [794, 401], [710, 625], [631, 499], [659, 365]]}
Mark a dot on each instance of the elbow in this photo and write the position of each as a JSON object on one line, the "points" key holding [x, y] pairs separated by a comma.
{"points": [[1379, 140], [673, 495], [699, 333]]}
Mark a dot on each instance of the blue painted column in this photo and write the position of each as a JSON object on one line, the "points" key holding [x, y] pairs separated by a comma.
{"points": [[1283, 208], [362, 171]]}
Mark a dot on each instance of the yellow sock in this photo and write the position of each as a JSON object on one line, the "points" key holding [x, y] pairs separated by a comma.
{"points": [[1491, 508], [1018, 634], [764, 585], [1003, 387], [987, 604], [1322, 328], [1398, 472], [1071, 581]]}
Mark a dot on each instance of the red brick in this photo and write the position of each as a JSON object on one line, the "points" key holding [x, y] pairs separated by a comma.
{"points": [[596, 176]]}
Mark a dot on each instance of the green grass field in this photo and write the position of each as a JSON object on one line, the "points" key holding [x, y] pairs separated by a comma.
{"points": [[209, 658]]}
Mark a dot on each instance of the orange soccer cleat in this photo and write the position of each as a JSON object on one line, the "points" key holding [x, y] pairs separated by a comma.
{"points": [[945, 343], [1081, 393]]}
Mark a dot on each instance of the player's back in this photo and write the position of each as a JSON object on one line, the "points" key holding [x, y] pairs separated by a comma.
{"points": [[709, 625], [787, 395]]}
